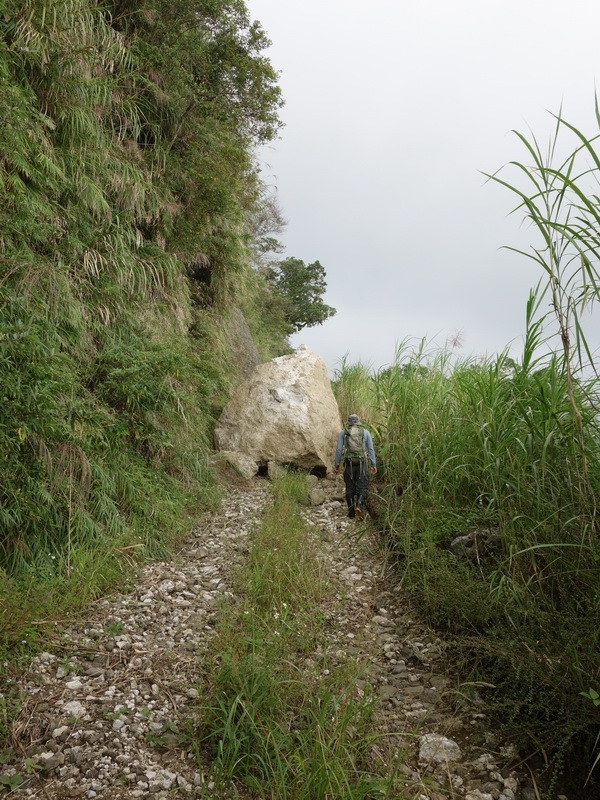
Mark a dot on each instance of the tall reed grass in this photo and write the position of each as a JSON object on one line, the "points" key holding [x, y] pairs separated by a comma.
{"points": [[508, 450], [493, 446]]}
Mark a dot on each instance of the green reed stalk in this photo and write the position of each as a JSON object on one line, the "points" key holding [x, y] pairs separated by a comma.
{"points": [[560, 200]]}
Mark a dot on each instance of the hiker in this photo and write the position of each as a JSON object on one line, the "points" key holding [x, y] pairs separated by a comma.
{"points": [[355, 446]]}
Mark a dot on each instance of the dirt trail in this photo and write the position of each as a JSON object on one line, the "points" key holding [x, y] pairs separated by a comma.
{"points": [[104, 706]]}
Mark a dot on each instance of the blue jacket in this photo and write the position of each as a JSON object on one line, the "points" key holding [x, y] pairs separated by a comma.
{"points": [[368, 444]]}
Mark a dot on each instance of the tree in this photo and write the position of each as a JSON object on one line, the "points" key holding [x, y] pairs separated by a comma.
{"points": [[302, 286], [265, 223]]}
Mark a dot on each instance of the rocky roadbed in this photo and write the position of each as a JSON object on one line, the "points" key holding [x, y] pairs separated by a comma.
{"points": [[103, 709]]}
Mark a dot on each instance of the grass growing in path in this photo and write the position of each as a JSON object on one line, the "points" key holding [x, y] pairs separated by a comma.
{"points": [[281, 720]]}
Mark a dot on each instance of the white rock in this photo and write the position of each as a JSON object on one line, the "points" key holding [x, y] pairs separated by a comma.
{"points": [[168, 779], [45, 658], [74, 708], [317, 496], [285, 412], [434, 748], [243, 464]]}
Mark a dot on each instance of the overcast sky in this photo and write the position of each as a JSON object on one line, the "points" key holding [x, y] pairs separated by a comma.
{"points": [[393, 112]]}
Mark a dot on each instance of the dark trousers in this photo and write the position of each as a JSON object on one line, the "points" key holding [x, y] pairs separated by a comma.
{"points": [[356, 478]]}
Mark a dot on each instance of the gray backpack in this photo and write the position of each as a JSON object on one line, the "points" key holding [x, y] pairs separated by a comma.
{"points": [[354, 444]]}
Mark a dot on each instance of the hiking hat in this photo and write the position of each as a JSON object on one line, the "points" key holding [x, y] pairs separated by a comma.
{"points": [[353, 419]]}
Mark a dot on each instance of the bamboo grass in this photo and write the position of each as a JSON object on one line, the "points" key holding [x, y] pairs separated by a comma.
{"points": [[117, 167]]}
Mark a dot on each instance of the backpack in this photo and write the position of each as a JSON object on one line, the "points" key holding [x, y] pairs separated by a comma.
{"points": [[354, 444]]}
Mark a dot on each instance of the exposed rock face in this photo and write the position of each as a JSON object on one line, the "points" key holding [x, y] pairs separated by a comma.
{"points": [[285, 412], [241, 344]]}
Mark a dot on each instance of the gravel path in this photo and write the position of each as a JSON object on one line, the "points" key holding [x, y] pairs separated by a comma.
{"points": [[103, 709]]}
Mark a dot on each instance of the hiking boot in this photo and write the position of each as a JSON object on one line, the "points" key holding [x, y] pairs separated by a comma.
{"points": [[359, 512], [351, 513]]}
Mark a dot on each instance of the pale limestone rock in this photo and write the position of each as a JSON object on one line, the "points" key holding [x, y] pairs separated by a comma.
{"points": [[434, 748], [74, 709], [285, 412], [317, 496], [50, 760], [245, 466], [275, 470]]}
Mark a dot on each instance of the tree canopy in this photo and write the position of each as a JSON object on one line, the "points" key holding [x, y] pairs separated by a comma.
{"points": [[302, 286]]}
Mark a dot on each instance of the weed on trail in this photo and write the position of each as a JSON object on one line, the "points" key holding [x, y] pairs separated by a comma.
{"points": [[280, 720]]}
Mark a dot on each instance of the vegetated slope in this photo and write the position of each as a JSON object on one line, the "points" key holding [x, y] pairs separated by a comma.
{"points": [[495, 531], [127, 195]]}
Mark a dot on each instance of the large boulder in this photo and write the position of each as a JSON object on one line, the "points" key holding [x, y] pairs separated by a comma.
{"points": [[284, 412]]}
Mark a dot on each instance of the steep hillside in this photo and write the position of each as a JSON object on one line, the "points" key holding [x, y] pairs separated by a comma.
{"points": [[127, 198]]}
